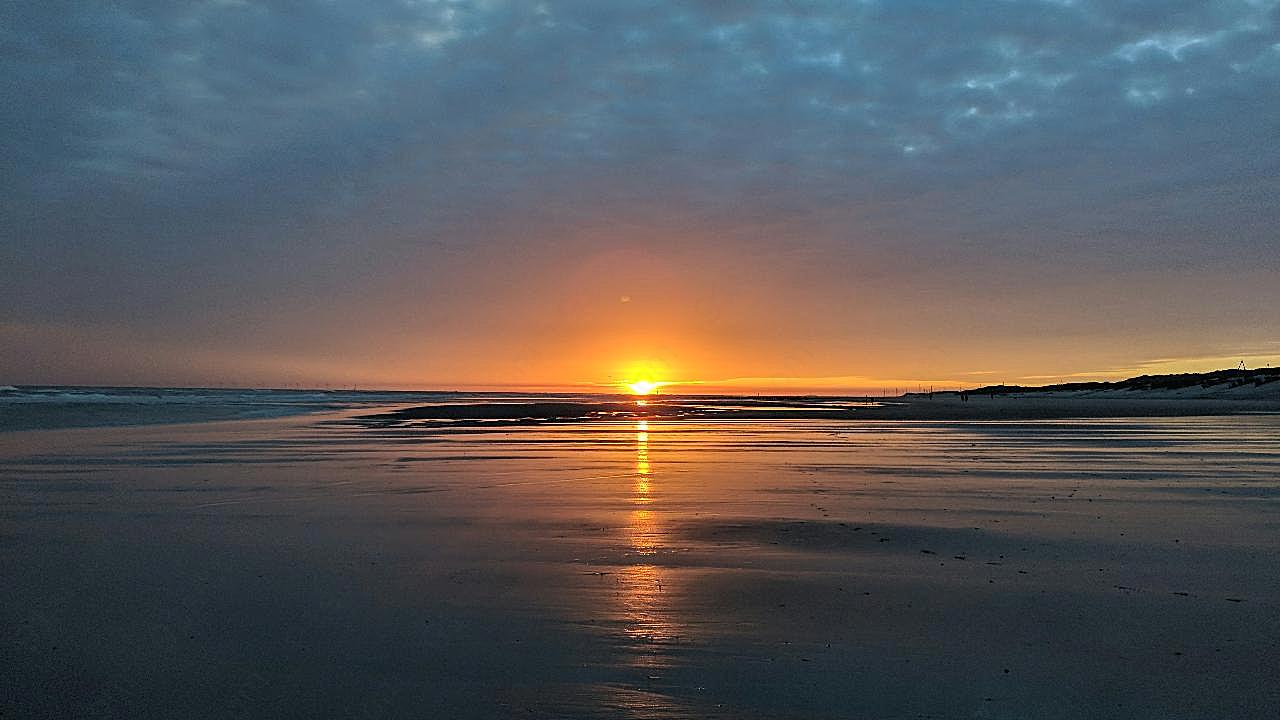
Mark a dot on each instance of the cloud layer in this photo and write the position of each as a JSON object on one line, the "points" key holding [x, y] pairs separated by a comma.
{"points": [[268, 173]]}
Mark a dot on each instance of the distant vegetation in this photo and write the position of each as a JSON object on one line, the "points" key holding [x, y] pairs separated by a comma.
{"points": [[1231, 378]]}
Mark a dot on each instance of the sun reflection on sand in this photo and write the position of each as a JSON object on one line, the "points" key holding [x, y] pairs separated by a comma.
{"points": [[642, 462], [645, 586]]}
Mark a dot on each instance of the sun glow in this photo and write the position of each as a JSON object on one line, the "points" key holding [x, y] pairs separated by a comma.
{"points": [[643, 387], [641, 377]]}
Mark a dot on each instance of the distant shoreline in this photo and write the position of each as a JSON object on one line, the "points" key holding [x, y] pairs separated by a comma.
{"points": [[1224, 392], [1238, 383], [946, 408]]}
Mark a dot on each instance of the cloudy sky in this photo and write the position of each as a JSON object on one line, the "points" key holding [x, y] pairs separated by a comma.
{"points": [[478, 193]]}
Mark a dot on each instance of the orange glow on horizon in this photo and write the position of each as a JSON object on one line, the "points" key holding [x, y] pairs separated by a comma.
{"points": [[642, 377], [643, 387]]}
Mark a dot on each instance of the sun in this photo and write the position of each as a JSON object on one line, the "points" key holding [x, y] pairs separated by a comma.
{"points": [[641, 377], [643, 387]]}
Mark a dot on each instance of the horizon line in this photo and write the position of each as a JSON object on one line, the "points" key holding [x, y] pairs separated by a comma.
{"points": [[730, 386]]}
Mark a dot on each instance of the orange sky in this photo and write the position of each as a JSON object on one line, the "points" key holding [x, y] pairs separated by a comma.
{"points": [[705, 321]]}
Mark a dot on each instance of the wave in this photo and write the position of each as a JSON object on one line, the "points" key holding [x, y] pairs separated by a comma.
{"points": [[41, 407]]}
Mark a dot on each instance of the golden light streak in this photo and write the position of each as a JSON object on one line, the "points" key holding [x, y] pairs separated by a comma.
{"points": [[642, 461]]}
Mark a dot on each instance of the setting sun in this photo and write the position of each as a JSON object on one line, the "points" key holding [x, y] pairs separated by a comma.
{"points": [[640, 377], [643, 387]]}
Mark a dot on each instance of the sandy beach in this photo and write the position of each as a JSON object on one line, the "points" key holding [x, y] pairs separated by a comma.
{"points": [[317, 566], [661, 359]]}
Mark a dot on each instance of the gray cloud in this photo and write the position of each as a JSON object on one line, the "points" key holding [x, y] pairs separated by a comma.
{"points": [[164, 157]]}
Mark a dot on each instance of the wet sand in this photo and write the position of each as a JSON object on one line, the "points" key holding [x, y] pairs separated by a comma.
{"points": [[942, 406], [794, 568]]}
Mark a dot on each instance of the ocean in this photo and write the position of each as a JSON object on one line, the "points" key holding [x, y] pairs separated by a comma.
{"points": [[36, 407]]}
